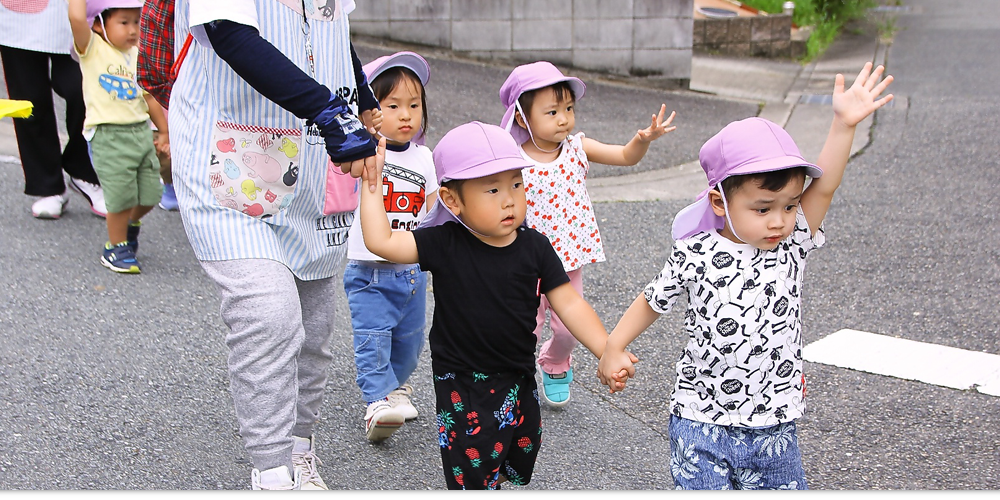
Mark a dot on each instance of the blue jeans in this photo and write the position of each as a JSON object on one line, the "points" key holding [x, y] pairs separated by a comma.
{"points": [[714, 457], [388, 312]]}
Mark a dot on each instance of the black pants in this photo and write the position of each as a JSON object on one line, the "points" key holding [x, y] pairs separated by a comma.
{"points": [[488, 426], [33, 76]]}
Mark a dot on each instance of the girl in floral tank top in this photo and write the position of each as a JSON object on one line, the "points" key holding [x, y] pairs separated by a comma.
{"points": [[540, 104]]}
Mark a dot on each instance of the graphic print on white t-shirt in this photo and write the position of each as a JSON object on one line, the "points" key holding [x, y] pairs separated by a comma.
{"points": [[403, 192]]}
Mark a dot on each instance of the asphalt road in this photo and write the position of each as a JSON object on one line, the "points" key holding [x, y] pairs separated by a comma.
{"points": [[118, 382]]}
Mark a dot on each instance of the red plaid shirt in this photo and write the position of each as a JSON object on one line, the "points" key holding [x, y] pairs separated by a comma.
{"points": [[156, 49]]}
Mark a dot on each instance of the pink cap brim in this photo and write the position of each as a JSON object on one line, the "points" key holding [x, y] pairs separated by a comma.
{"points": [[94, 8], [773, 164], [409, 60]]}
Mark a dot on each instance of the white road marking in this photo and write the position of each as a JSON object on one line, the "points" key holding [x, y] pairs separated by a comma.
{"points": [[908, 359]]}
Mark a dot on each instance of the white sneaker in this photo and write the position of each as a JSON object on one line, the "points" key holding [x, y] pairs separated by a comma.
{"points": [[277, 478], [50, 207], [381, 420], [400, 400], [93, 193], [305, 461]]}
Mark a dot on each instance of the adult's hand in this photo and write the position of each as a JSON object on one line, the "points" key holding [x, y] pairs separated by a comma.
{"points": [[363, 167]]}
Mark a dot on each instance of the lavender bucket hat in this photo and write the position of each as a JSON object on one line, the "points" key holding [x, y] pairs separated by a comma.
{"points": [[526, 78], [95, 7], [749, 146], [471, 151]]}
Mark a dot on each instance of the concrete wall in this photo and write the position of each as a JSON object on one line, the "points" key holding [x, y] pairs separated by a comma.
{"points": [[637, 38]]}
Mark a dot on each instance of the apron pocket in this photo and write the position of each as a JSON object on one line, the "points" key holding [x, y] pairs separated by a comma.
{"points": [[341, 190], [254, 169]]}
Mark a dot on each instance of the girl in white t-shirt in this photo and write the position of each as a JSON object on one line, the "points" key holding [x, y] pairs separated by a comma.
{"points": [[540, 104], [388, 301]]}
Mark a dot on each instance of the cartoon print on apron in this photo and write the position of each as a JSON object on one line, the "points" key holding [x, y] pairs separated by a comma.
{"points": [[254, 169]]}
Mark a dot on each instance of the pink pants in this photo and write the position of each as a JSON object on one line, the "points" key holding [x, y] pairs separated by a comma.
{"points": [[556, 354]]}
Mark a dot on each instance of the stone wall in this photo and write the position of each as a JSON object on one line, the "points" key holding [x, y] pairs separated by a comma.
{"points": [[755, 36], [635, 38]]}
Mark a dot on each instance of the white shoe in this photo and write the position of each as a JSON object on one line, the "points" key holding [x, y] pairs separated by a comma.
{"points": [[305, 461], [50, 207], [381, 420], [400, 400], [93, 193], [277, 478]]}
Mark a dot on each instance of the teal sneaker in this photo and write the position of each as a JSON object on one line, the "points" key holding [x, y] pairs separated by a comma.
{"points": [[120, 259], [554, 389]]}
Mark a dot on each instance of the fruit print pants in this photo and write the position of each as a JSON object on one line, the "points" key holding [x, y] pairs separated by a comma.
{"points": [[489, 428]]}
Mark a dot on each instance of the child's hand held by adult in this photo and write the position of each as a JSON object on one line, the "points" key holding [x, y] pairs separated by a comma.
{"points": [[374, 173], [348, 142], [372, 119], [162, 143], [371, 170]]}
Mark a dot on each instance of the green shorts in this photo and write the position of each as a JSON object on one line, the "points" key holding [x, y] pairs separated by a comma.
{"points": [[126, 164]]}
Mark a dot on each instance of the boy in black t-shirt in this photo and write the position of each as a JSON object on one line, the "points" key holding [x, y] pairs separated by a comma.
{"points": [[489, 273]]}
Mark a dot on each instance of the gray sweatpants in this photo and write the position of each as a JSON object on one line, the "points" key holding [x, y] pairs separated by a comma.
{"points": [[279, 352]]}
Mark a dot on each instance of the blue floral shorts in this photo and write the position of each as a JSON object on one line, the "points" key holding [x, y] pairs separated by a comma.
{"points": [[715, 457]]}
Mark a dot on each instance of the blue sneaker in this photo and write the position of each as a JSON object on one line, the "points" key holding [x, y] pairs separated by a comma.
{"points": [[169, 199], [554, 389], [120, 259], [132, 236]]}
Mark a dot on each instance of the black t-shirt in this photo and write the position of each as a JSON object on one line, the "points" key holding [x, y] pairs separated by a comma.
{"points": [[486, 297]]}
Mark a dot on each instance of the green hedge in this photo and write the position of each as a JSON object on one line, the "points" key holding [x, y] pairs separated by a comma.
{"points": [[827, 17]]}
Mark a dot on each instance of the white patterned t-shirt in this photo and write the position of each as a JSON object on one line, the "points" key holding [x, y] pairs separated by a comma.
{"points": [[742, 365], [559, 206], [407, 179]]}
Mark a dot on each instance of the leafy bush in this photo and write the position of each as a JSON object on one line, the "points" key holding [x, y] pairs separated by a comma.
{"points": [[827, 17]]}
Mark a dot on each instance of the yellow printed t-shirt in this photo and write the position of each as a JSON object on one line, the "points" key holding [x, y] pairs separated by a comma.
{"points": [[109, 87]]}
